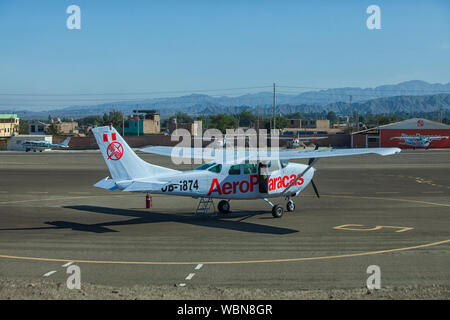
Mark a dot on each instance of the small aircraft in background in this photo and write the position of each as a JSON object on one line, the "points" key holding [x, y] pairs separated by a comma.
{"points": [[418, 141], [39, 145], [297, 141], [251, 174]]}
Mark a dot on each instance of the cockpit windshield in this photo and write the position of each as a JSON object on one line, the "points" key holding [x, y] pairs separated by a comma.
{"points": [[205, 166]]}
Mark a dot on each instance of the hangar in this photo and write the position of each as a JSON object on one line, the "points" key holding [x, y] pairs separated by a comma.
{"points": [[402, 135]]}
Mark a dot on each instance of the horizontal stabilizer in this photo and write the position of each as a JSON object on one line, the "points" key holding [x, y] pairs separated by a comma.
{"points": [[106, 183], [144, 186]]}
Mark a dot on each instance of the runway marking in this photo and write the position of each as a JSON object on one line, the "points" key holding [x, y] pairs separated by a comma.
{"points": [[67, 264], [348, 255], [432, 192], [346, 227], [3, 191], [391, 199], [190, 276], [48, 274], [80, 192], [387, 192], [339, 193], [37, 192], [199, 266], [61, 198]]}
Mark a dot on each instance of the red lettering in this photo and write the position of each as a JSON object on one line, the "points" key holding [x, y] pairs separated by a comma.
{"points": [[226, 188], [293, 176], [279, 183], [235, 184], [215, 187], [241, 186], [300, 181], [285, 184], [253, 181]]}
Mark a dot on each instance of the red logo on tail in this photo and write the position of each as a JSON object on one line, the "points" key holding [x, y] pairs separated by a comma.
{"points": [[114, 151]]}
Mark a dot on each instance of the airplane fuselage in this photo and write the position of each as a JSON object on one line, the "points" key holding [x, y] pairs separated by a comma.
{"points": [[231, 184]]}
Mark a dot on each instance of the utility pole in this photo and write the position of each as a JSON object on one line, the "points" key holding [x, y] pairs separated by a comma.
{"points": [[351, 113], [123, 124], [274, 106]]}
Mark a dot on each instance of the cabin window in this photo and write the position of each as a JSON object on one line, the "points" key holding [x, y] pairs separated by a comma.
{"points": [[250, 168], [236, 169], [284, 163]]}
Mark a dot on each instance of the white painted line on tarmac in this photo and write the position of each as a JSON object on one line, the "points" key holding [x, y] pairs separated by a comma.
{"points": [[67, 264], [199, 266], [190, 276], [48, 274]]}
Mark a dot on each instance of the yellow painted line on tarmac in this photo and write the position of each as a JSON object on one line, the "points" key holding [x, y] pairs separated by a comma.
{"points": [[432, 192], [37, 192], [391, 199], [60, 198], [387, 192], [350, 255], [350, 227]]}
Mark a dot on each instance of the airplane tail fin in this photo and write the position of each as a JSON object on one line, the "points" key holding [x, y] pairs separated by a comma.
{"points": [[122, 161], [65, 143]]}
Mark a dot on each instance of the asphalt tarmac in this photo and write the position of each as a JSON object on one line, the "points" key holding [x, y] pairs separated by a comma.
{"points": [[392, 212]]}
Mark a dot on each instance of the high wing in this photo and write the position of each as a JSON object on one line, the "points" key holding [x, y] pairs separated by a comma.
{"points": [[233, 156]]}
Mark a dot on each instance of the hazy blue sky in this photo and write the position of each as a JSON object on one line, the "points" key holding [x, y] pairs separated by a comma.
{"points": [[151, 46]]}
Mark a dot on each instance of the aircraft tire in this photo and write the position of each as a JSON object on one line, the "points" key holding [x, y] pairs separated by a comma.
{"points": [[277, 211], [290, 206], [224, 207]]}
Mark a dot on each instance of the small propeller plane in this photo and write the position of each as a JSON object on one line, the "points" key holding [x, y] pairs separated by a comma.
{"points": [[297, 141], [418, 141], [39, 145], [271, 175]]}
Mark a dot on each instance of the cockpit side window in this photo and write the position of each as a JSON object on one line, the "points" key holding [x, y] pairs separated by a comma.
{"points": [[216, 169], [205, 166], [284, 163]]}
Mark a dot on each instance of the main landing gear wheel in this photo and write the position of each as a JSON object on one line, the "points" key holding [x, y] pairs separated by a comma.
{"points": [[224, 207], [290, 206], [277, 211]]}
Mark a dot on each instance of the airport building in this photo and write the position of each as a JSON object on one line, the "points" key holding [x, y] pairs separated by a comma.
{"points": [[141, 123], [404, 134], [37, 127], [9, 125]]}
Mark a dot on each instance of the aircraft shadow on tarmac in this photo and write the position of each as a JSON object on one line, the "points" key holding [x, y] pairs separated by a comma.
{"points": [[140, 217]]}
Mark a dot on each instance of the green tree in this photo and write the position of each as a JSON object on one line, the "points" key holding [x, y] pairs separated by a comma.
{"points": [[246, 118], [332, 117], [53, 129], [24, 127], [114, 117], [222, 122]]}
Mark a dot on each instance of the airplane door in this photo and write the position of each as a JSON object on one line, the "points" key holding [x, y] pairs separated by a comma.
{"points": [[263, 177]]}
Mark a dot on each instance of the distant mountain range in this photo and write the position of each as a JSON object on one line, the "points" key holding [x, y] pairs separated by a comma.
{"points": [[411, 96]]}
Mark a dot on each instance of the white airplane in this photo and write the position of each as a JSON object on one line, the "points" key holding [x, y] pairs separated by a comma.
{"points": [[418, 141], [300, 141], [270, 176], [40, 145]]}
